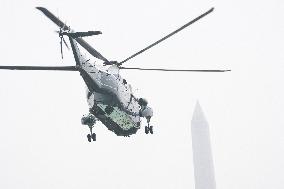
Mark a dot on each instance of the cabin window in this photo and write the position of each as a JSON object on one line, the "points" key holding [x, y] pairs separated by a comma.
{"points": [[124, 82]]}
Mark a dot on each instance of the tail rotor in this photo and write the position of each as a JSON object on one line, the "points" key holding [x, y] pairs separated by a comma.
{"points": [[62, 40]]}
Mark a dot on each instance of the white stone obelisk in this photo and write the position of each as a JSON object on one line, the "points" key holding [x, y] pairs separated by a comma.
{"points": [[202, 155]]}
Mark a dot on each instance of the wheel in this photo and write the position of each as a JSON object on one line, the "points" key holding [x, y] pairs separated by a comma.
{"points": [[94, 136], [146, 129], [151, 129], [89, 138]]}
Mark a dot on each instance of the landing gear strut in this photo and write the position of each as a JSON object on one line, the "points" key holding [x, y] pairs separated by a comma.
{"points": [[91, 135], [90, 121], [148, 128]]}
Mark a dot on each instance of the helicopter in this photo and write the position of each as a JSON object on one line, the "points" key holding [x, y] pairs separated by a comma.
{"points": [[110, 97]]}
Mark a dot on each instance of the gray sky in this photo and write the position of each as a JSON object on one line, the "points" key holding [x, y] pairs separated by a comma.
{"points": [[43, 144]]}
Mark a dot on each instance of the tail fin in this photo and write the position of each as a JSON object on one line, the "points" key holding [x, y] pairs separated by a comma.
{"points": [[202, 155]]}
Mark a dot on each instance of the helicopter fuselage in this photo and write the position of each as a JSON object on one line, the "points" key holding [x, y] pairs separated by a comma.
{"points": [[109, 96]]}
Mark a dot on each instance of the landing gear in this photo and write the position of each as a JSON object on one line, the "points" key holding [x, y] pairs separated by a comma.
{"points": [[91, 136], [148, 128], [151, 130], [90, 121]]}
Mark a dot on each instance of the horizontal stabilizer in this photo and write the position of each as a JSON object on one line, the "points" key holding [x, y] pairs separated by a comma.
{"points": [[55, 68], [75, 35]]}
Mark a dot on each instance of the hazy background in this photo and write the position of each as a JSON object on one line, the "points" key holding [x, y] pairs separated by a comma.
{"points": [[43, 144]]}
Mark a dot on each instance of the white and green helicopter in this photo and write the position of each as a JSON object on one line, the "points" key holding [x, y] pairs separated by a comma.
{"points": [[109, 96]]}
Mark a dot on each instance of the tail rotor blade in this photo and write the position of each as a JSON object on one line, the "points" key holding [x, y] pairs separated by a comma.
{"points": [[64, 27], [61, 50], [66, 44]]}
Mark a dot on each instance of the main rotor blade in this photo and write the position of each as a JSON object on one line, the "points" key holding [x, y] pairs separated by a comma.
{"points": [[90, 49], [51, 16], [172, 70], [167, 36], [55, 68]]}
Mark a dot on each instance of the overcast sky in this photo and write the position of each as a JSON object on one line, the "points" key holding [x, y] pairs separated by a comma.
{"points": [[43, 144]]}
